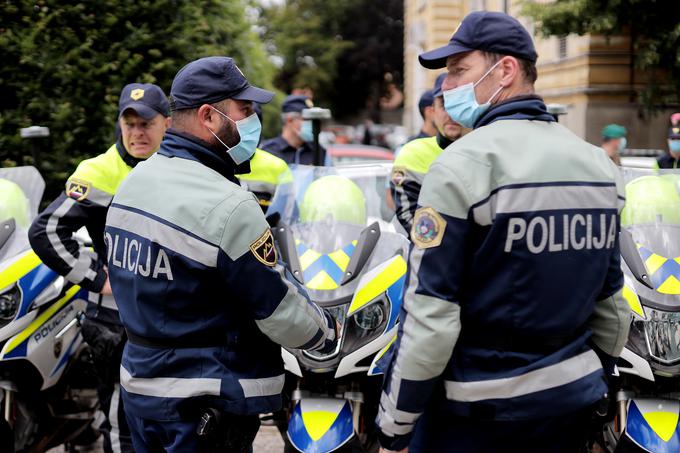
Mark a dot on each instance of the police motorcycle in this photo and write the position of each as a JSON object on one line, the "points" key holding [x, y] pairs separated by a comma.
{"points": [[646, 406], [47, 398], [334, 236]]}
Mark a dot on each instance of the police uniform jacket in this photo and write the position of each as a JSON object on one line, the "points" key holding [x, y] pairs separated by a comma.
{"points": [[200, 292], [514, 277], [410, 166], [84, 203], [280, 148], [266, 173]]}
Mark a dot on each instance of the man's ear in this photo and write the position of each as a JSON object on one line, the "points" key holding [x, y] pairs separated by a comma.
{"points": [[168, 123], [510, 71], [207, 117]]}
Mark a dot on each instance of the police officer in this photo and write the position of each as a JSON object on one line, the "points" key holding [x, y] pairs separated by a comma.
{"points": [[671, 159], [513, 303], [143, 117], [194, 270], [294, 145], [415, 157], [427, 114], [266, 172], [614, 141]]}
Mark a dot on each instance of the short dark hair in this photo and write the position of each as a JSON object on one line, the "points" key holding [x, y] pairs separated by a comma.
{"points": [[528, 68]]}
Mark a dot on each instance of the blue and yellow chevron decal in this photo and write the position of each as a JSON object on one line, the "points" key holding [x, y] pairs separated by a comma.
{"points": [[663, 272], [321, 429], [655, 430], [324, 271]]}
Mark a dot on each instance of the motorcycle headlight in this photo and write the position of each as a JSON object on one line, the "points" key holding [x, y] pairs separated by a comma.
{"points": [[10, 300], [662, 332], [370, 317]]}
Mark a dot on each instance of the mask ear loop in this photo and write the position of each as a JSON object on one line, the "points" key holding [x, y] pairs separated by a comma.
{"points": [[493, 96], [215, 135]]}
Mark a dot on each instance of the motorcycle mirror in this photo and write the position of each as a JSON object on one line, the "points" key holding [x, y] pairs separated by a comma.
{"points": [[630, 255], [6, 229], [365, 245], [286, 241]]}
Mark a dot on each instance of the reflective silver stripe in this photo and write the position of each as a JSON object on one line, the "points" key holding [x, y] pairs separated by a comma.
{"points": [[99, 197], [263, 386], [51, 232], [107, 301], [114, 434], [81, 270], [260, 186], [295, 321], [163, 235], [165, 387], [552, 376], [529, 199]]}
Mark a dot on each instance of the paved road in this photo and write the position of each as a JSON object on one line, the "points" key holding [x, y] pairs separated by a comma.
{"points": [[268, 440]]}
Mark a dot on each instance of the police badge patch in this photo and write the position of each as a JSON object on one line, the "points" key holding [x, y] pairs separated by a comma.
{"points": [[263, 248], [428, 228], [137, 94], [77, 189]]}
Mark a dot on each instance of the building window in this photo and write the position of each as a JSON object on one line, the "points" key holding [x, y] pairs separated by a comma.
{"points": [[562, 47]]}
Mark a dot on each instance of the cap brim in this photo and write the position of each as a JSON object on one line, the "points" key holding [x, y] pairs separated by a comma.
{"points": [[436, 59], [254, 94], [142, 110]]}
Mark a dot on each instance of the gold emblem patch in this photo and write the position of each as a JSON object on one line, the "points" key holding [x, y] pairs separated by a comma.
{"points": [[137, 94], [263, 249], [77, 189], [428, 228]]}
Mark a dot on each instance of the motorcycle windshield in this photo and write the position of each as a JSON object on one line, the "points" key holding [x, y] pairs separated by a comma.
{"points": [[652, 216], [329, 210], [21, 189]]}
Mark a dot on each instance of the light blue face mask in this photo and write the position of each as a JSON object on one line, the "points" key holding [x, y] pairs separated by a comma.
{"points": [[461, 103], [674, 145], [306, 134], [622, 144], [249, 130]]}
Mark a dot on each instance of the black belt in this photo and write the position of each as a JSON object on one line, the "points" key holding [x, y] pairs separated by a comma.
{"points": [[516, 342], [198, 341]]}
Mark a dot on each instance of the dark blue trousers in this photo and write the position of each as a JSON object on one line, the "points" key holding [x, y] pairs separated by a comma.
{"points": [[437, 431]]}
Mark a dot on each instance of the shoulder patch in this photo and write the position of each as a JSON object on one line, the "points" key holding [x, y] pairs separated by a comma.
{"points": [[428, 228], [263, 248], [78, 189]]}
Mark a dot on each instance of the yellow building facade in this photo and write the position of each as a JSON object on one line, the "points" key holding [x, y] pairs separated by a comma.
{"points": [[592, 75]]}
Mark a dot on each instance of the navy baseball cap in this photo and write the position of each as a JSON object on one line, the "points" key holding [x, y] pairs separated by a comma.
{"points": [[426, 100], [296, 103], [147, 99], [487, 31], [437, 90], [674, 133], [213, 79]]}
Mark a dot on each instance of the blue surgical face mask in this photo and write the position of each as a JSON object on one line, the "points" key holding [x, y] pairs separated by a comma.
{"points": [[461, 104], [306, 134], [674, 145], [249, 131], [622, 144]]}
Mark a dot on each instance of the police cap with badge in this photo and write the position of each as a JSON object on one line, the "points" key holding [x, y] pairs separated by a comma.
{"points": [[210, 80], [296, 103], [146, 99]]}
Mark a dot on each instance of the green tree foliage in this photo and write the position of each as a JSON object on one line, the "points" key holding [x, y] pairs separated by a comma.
{"points": [[654, 26], [341, 49], [64, 64]]}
